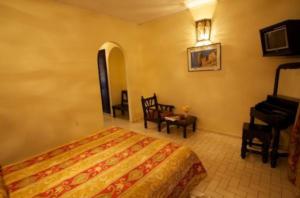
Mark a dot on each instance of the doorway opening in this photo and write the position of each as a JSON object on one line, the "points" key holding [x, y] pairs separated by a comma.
{"points": [[113, 83]]}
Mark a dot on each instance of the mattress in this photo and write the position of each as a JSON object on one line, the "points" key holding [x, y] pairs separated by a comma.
{"points": [[114, 162]]}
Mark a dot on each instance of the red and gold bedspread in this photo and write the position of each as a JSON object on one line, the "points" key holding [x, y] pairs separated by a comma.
{"points": [[112, 163]]}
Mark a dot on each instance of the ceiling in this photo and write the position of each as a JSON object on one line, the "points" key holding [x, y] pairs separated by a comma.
{"points": [[137, 11]]}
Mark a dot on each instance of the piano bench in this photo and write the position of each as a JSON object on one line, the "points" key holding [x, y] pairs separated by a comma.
{"points": [[261, 132]]}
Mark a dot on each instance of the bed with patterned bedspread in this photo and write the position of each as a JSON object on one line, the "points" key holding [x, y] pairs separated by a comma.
{"points": [[111, 163]]}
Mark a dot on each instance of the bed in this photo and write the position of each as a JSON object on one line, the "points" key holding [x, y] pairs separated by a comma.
{"points": [[111, 163]]}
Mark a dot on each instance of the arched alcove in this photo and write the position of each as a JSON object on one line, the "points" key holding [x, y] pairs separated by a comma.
{"points": [[113, 77]]}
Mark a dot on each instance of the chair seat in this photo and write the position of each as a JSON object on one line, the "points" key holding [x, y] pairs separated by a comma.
{"points": [[166, 113], [120, 106], [154, 114]]}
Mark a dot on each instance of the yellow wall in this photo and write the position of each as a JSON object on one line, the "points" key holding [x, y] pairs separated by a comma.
{"points": [[117, 75], [220, 99], [49, 77]]}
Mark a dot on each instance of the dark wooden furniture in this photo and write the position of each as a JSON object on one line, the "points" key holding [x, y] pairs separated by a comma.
{"points": [[155, 112], [183, 122], [281, 39], [124, 104], [279, 112], [263, 133]]}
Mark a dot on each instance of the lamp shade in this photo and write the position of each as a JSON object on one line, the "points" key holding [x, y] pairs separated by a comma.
{"points": [[203, 28]]}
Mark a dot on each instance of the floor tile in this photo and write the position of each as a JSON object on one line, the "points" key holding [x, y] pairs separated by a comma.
{"points": [[228, 174]]}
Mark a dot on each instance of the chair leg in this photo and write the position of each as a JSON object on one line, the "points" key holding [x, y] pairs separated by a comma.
{"points": [[145, 124], [194, 126], [266, 146], [184, 132], [114, 112], [159, 126], [244, 145], [265, 152], [274, 152]]}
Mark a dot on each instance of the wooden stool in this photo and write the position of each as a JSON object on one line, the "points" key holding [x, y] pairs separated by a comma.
{"points": [[263, 133]]}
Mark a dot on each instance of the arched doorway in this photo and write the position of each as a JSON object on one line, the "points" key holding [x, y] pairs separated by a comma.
{"points": [[112, 77]]}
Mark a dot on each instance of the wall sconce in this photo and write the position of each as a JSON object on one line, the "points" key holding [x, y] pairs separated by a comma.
{"points": [[203, 28]]}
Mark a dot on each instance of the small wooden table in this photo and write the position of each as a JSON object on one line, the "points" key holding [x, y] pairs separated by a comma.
{"points": [[184, 123]]}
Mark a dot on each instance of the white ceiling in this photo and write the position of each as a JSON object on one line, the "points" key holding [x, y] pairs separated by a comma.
{"points": [[137, 11]]}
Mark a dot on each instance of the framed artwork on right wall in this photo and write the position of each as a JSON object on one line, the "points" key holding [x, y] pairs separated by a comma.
{"points": [[204, 58]]}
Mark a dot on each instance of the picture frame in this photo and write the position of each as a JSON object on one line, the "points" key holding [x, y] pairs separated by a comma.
{"points": [[204, 58]]}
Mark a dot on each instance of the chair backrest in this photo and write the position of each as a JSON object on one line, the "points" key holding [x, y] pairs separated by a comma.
{"points": [[124, 98], [149, 104]]}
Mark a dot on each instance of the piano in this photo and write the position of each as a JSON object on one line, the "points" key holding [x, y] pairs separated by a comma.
{"points": [[277, 111]]}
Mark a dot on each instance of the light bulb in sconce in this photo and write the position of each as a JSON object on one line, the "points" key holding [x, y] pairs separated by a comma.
{"points": [[203, 29]]}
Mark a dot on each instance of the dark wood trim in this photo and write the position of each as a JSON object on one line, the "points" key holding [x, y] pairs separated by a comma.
{"points": [[100, 53]]}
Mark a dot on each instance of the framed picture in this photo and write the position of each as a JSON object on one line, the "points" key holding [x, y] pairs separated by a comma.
{"points": [[204, 58]]}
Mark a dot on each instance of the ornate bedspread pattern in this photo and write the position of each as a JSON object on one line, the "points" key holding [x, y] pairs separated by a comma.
{"points": [[112, 163]]}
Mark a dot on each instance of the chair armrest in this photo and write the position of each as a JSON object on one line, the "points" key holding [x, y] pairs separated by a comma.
{"points": [[164, 107]]}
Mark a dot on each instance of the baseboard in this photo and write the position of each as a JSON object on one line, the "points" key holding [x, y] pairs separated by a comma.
{"points": [[220, 133]]}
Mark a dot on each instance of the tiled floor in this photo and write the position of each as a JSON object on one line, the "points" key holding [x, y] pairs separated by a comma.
{"points": [[228, 174]]}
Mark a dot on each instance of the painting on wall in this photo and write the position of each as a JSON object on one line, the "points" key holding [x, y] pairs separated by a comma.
{"points": [[205, 58]]}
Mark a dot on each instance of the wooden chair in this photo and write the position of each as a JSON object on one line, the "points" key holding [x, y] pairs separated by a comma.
{"points": [[155, 112], [124, 104]]}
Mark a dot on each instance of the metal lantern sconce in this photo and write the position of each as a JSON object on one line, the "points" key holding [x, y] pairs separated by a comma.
{"points": [[203, 28]]}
